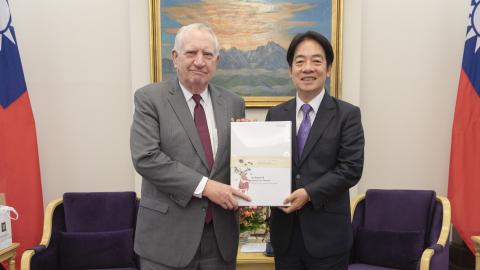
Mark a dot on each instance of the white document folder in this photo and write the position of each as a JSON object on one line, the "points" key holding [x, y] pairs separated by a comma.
{"points": [[261, 161]]}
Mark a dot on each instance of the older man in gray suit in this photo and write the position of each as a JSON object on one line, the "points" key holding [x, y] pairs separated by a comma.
{"points": [[180, 143]]}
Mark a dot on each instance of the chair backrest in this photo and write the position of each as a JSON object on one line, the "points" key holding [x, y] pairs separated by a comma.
{"points": [[93, 230], [99, 230], [99, 211], [399, 210], [393, 227]]}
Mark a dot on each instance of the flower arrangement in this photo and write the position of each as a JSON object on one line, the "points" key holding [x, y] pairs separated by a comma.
{"points": [[253, 219]]}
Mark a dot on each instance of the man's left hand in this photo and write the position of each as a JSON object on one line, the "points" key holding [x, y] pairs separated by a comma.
{"points": [[297, 199]]}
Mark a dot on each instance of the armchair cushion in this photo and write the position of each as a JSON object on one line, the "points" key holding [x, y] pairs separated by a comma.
{"points": [[95, 250], [389, 248]]}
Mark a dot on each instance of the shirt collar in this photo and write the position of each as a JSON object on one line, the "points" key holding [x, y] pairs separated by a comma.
{"points": [[315, 102], [188, 95]]}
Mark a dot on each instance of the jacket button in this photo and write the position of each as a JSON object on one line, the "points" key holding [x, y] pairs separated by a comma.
{"points": [[297, 176]]}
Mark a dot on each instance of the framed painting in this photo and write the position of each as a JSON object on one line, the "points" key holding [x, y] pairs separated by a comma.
{"points": [[254, 36]]}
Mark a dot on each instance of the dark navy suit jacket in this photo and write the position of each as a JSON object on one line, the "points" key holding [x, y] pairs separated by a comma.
{"points": [[331, 163]]}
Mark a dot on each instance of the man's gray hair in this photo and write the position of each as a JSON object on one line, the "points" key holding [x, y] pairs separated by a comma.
{"points": [[195, 26]]}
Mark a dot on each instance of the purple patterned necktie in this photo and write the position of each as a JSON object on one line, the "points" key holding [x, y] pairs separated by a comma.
{"points": [[202, 128], [304, 129]]}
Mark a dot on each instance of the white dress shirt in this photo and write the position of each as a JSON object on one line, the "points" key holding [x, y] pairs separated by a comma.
{"points": [[314, 103], [212, 128]]}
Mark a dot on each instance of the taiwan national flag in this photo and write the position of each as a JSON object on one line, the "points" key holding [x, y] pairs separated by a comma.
{"points": [[464, 179], [19, 167]]}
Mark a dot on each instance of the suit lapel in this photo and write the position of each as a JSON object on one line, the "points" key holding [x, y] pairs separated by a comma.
{"points": [[180, 107], [291, 115], [324, 115], [221, 121]]}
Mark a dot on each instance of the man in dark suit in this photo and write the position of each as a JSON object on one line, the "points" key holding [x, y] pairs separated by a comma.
{"points": [[180, 143], [314, 232]]}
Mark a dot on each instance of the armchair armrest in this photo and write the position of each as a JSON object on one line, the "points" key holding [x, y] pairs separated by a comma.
{"points": [[43, 256], [436, 247], [433, 254], [476, 241], [40, 257]]}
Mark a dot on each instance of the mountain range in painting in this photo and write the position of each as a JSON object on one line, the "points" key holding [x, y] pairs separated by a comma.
{"points": [[263, 71]]}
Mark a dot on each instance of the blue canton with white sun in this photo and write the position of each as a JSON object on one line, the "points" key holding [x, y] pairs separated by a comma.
{"points": [[471, 53], [473, 29], [6, 27], [12, 81]]}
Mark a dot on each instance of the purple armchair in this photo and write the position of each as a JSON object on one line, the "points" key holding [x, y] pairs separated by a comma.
{"points": [[87, 231], [400, 229]]}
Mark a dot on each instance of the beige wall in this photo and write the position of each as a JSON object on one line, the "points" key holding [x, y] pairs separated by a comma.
{"points": [[77, 62], [401, 64], [410, 64], [83, 58]]}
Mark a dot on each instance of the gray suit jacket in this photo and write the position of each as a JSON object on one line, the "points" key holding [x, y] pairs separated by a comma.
{"points": [[167, 152]]}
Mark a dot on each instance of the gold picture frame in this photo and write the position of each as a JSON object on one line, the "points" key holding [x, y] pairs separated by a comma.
{"points": [[336, 15]]}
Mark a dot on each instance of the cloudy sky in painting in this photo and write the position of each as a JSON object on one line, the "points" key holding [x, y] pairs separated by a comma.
{"points": [[246, 24]]}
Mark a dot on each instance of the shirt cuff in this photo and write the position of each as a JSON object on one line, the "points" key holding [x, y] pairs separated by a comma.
{"points": [[201, 186]]}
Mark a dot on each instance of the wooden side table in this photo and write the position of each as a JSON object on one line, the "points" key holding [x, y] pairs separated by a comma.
{"points": [[9, 253], [254, 261]]}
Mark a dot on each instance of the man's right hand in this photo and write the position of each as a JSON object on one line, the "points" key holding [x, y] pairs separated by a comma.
{"points": [[223, 195]]}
